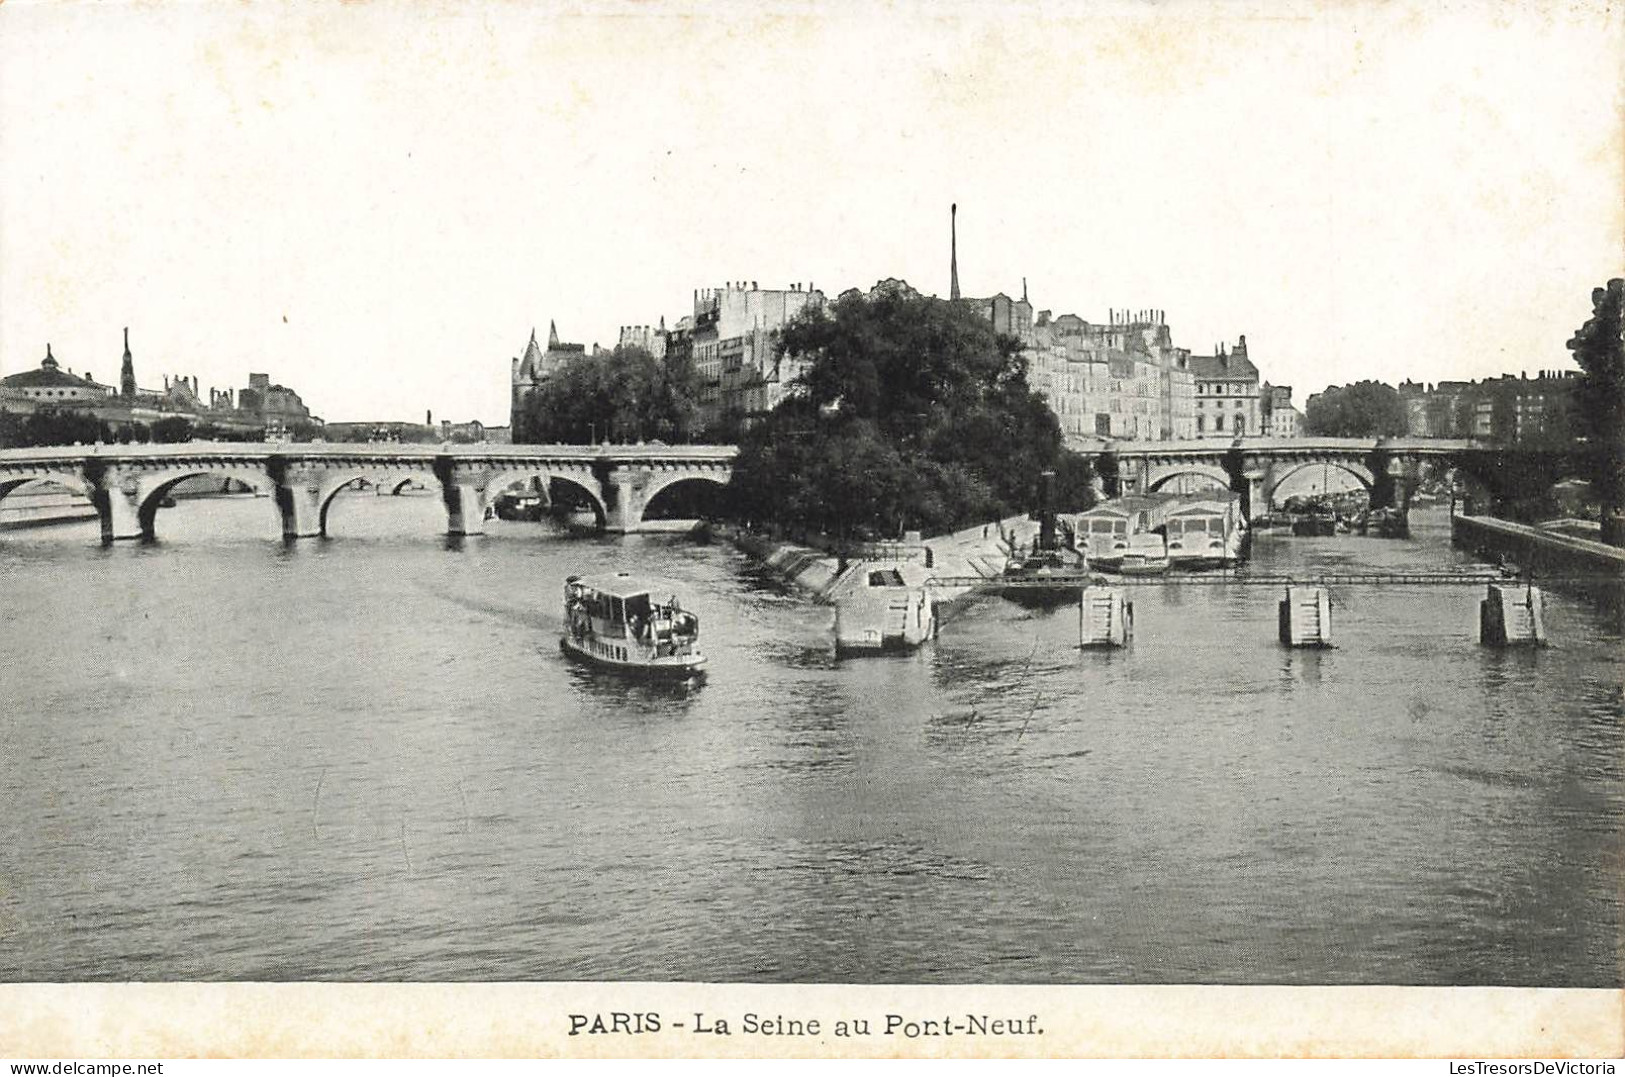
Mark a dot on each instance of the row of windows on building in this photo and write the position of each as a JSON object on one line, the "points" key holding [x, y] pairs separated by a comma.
{"points": [[1237, 426]]}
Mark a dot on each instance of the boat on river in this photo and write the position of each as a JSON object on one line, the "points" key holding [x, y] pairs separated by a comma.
{"points": [[1205, 533], [1053, 570], [1044, 578], [615, 622]]}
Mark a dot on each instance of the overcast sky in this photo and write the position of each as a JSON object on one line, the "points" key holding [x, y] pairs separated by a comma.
{"points": [[375, 203]]}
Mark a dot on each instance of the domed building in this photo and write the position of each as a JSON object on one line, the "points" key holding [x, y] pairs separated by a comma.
{"points": [[49, 384]]}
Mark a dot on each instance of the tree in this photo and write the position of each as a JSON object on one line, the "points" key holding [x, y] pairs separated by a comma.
{"points": [[1364, 409], [1600, 401], [624, 395], [171, 430], [910, 414], [51, 427]]}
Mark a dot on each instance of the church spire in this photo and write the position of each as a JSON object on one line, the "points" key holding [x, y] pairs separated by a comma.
{"points": [[552, 335], [126, 377], [953, 251]]}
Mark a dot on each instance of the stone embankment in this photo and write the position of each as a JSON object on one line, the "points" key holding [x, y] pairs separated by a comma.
{"points": [[1537, 550], [975, 551], [43, 509]]}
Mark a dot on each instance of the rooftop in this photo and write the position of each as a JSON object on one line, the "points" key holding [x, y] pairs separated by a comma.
{"points": [[49, 376]]}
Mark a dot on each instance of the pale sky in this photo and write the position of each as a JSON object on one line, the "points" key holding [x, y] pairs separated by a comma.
{"points": [[375, 203]]}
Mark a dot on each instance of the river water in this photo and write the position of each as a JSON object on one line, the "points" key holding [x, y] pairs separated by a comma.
{"points": [[364, 758]]}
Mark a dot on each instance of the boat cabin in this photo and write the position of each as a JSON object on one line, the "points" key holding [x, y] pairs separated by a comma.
{"points": [[1103, 531], [1205, 532], [627, 617]]}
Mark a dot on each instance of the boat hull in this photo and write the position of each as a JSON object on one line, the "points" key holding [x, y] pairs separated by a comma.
{"points": [[1131, 567], [669, 668], [1042, 594]]}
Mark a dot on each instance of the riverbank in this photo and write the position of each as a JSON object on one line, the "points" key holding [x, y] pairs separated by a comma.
{"points": [[25, 510], [1537, 550], [975, 551]]}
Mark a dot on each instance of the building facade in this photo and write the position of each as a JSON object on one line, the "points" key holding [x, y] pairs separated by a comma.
{"points": [[533, 368], [1506, 409], [1280, 419], [733, 341], [1228, 397]]}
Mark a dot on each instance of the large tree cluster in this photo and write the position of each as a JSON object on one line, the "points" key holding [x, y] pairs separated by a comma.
{"points": [[909, 413], [1364, 409], [1599, 348], [625, 395]]}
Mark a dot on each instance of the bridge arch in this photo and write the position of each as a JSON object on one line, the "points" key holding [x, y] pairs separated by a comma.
{"points": [[393, 481], [673, 480], [151, 494], [1282, 473], [583, 482], [73, 483], [1164, 474], [577, 482]]}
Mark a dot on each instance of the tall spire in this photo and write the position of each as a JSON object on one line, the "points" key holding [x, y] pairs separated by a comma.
{"points": [[552, 335], [126, 377], [953, 251]]}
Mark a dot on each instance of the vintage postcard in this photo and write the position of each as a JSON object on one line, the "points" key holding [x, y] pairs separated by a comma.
{"points": [[810, 529]]}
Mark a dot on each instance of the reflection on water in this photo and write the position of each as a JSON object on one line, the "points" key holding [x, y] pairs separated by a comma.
{"points": [[365, 758]]}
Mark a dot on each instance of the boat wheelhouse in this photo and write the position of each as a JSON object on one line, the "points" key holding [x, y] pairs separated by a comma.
{"points": [[618, 622]]}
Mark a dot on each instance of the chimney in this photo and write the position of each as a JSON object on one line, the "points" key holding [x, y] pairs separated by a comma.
{"points": [[1046, 510]]}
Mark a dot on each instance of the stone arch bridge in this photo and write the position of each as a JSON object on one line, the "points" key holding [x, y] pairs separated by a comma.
{"points": [[128, 483], [1389, 468]]}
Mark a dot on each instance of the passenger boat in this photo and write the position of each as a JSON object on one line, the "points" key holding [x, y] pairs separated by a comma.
{"points": [[614, 622], [1205, 534], [1102, 534], [1147, 555]]}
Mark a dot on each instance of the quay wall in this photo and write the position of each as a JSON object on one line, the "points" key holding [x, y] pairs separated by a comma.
{"points": [[43, 509], [1534, 549], [815, 572]]}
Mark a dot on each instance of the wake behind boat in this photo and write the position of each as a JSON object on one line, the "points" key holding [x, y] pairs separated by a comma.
{"points": [[613, 622]]}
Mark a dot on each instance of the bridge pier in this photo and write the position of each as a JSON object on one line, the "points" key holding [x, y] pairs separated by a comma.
{"points": [[463, 491], [623, 488], [1256, 498], [300, 505], [117, 499], [465, 506]]}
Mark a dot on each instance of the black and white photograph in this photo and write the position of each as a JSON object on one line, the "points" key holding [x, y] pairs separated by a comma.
{"points": [[1036, 495]]}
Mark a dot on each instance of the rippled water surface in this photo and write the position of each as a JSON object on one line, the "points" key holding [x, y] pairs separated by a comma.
{"points": [[365, 758]]}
